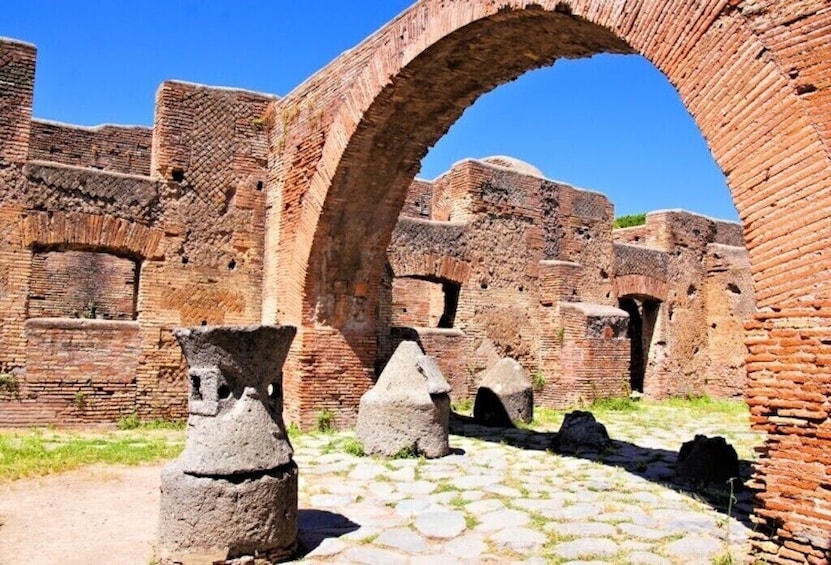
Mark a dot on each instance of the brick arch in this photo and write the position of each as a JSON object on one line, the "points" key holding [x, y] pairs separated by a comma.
{"points": [[90, 230], [429, 265], [753, 75], [640, 286]]}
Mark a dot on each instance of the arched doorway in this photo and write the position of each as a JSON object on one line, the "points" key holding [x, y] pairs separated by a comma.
{"points": [[348, 142]]}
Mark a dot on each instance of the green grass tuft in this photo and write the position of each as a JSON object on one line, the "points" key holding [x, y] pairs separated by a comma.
{"points": [[353, 447], [629, 221], [614, 404], [132, 422], [36, 452], [463, 406]]}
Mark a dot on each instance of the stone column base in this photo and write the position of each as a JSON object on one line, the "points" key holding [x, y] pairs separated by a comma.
{"points": [[205, 519]]}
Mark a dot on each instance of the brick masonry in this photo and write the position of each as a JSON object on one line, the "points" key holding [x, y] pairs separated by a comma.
{"points": [[308, 247], [539, 269], [76, 372]]}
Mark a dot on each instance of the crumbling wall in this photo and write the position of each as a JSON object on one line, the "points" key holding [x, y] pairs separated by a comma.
{"points": [[120, 149], [209, 152], [689, 267], [730, 304], [416, 302], [501, 220], [540, 257], [76, 371], [81, 236]]}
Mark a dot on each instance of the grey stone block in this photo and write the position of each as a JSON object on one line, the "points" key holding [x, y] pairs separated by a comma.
{"points": [[235, 422], [233, 491], [581, 432], [512, 385], [224, 518], [400, 413]]}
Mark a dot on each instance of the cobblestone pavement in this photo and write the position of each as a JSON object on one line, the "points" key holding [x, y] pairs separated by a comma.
{"points": [[503, 497]]}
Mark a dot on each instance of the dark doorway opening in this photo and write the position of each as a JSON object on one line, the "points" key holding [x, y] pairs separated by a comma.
{"points": [[424, 302], [643, 313], [451, 303]]}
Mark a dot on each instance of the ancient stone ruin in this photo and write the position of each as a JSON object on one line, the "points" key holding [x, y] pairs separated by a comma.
{"points": [[580, 433], [505, 395], [233, 490], [492, 260], [113, 236], [408, 409], [242, 208], [707, 460]]}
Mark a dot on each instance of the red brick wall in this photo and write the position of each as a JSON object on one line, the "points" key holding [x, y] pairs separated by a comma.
{"points": [[419, 201], [17, 81], [730, 304], [77, 371], [699, 270], [75, 284], [209, 144], [120, 149], [15, 269], [789, 388], [198, 237], [416, 303], [594, 356]]}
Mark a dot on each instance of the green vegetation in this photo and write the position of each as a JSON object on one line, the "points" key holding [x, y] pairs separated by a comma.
{"points": [[293, 430], [629, 221], [353, 447], [132, 422], [538, 380], [80, 400], [409, 452], [614, 404], [40, 452], [547, 418], [325, 421], [463, 406], [705, 404], [9, 384]]}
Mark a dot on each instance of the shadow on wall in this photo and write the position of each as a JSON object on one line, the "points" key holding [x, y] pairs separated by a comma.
{"points": [[654, 465]]}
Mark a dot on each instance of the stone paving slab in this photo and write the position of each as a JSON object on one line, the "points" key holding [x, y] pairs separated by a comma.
{"points": [[498, 500]]}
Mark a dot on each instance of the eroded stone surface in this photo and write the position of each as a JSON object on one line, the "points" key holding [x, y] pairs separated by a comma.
{"points": [[233, 490], [399, 413], [512, 395], [581, 432]]}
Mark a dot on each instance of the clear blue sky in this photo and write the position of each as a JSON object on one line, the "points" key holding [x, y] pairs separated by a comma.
{"points": [[611, 123]]}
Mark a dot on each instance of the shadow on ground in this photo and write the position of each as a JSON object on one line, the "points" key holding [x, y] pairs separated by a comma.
{"points": [[315, 526], [655, 465]]}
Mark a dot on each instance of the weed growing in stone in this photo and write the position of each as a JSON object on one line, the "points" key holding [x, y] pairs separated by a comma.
{"points": [[538, 380], [408, 452], [463, 406], [325, 421], [471, 521], [9, 384], [353, 447], [80, 400], [293, 430], [458, 502]]}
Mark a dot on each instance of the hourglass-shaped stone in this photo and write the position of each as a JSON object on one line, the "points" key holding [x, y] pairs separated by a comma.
{"points": [[233, 491]]}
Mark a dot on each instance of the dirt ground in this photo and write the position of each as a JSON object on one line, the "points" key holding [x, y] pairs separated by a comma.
{"points": [[97, 514]]}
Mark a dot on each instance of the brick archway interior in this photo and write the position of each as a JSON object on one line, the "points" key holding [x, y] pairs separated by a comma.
{"points": [[350, 140]]}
